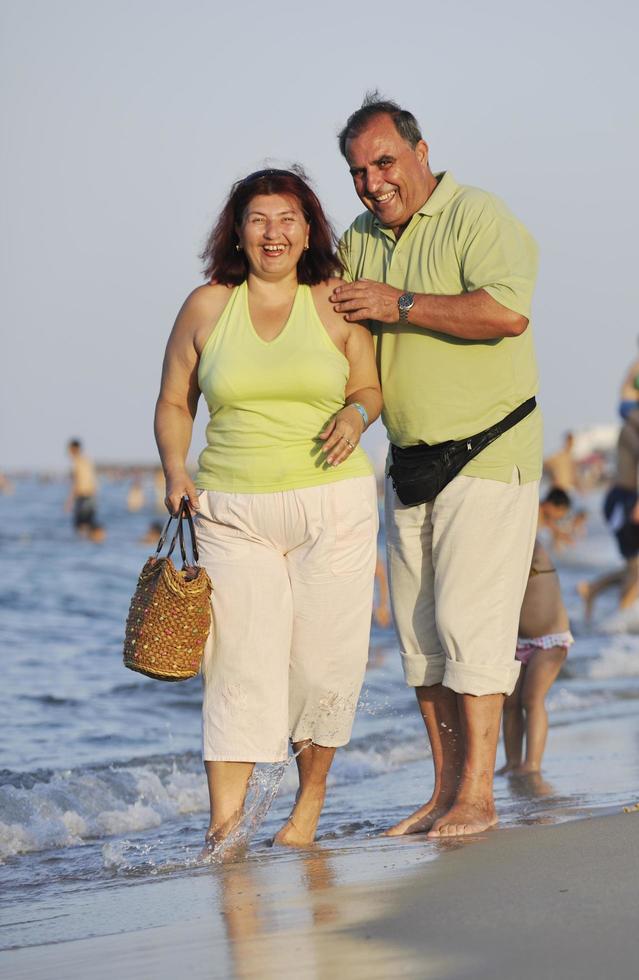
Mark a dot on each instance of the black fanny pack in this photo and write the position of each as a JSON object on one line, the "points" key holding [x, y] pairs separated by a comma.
{"points": [[420, 472]]}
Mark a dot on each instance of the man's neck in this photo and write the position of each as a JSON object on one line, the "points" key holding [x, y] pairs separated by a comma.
{"points": [[431, 184]]}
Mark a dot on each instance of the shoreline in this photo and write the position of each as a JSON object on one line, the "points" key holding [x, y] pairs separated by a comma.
{"points": [[528, 902]]}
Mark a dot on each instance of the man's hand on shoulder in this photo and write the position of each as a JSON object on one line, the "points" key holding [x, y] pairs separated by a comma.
{"points": [[367, 300]]}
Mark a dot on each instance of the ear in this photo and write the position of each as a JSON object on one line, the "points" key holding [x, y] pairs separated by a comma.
{"points": [[421, 151]]}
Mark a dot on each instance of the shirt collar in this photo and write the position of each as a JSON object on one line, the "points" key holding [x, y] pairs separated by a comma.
{"points": [[446, 188]]}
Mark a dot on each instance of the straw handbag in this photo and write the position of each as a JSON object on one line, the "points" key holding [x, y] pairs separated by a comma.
{"points": [[170, 614]]}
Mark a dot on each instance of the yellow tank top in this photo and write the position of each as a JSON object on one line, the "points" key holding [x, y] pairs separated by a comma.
{"points": [[269, 400]]}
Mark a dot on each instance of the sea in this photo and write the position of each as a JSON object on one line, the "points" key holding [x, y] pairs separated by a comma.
{"points": [[101, 780]]}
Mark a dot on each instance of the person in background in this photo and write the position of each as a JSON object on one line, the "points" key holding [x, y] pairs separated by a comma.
{"points": [[81, 500], [629, 394], [621, 512], [286, 512], [444, 274], [152, 533], [556, 517], [135, 498], [542, 646], [561, 467]]}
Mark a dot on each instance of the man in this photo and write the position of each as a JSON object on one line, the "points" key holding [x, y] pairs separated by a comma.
{"points": [[445, 276], [562, 468], [621, 511], [81, 499]]}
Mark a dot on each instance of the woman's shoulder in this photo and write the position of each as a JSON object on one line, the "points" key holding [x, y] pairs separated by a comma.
{"points": [[330, 317], [207, 300], [322, 293], [201, 311]]}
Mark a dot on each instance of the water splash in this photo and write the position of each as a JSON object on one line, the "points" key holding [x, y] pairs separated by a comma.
{"points": [[262, 789]]}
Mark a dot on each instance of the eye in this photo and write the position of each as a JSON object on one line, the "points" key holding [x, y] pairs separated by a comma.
{"points": [[385, 162]]}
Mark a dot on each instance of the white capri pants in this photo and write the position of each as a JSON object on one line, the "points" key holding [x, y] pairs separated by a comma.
{"points": [[292, 576], [458, 568]]}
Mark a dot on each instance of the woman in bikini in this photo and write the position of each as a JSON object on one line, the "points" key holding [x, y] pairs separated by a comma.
{"points": [[542, 647]]}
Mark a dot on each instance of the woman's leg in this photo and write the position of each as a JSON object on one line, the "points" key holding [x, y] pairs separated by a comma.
{"points": [[513, 726], [313, 764], [228, 782], [541, 673], [246, 660], [331, 575]]}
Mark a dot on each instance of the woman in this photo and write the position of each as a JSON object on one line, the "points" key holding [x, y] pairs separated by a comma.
{"points": [[286, 513], [542, 646]]}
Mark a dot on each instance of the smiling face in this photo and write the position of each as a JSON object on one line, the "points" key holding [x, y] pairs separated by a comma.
{"points": [[273, 234], [391, 178]]}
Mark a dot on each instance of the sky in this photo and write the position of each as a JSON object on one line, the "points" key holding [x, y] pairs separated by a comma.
{"points": [[125, 123]]}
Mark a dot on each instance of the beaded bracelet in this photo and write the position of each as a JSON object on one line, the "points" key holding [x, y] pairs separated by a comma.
{"points": [[362, 411]]}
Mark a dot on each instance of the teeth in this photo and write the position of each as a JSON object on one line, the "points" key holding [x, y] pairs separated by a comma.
{"points": [[384, 197], [273, 248]]}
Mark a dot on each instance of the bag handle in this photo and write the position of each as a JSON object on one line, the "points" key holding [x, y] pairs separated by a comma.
{"points": [[183, 513]]}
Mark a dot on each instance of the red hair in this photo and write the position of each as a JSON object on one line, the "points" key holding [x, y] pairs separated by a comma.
{"points": [[223, 263]]}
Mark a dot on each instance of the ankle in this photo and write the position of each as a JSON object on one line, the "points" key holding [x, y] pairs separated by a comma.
{"points": [[313, 792], [476, 787]]}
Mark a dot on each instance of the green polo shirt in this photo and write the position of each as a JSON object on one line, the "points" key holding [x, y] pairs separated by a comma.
{"points": [[438, 387]]}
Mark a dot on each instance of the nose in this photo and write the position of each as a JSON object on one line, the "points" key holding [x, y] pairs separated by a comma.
{"points": [[374, 181], [270, 228]]}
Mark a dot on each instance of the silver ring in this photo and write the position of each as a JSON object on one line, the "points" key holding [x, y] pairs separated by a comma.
{"points": [[348, 442]]}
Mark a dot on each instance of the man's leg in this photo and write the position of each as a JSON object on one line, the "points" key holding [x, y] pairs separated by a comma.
{"points": [[590, 590], [411, 580], [483, 538], [438, 706], [474, 808]]}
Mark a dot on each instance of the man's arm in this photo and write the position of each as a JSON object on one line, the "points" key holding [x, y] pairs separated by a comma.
{"points": [[470, 316]]}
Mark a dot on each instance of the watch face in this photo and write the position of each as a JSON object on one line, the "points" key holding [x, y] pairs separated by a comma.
{"points": [[405, 301]]}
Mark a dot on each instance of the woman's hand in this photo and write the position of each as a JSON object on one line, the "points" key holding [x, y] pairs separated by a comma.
{"points": [[178, 485], [342, 434]]}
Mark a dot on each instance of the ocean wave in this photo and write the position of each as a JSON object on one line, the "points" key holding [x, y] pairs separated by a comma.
{"points": [[621, 621], [564, 699], [619, 659], [52, 809], [68, 808]]}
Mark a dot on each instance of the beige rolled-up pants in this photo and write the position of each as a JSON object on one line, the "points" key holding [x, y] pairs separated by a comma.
{"points": [[458, 568], [292, 576]]}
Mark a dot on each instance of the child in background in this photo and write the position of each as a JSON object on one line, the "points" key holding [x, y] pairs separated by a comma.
{"points": [[542, 647]]}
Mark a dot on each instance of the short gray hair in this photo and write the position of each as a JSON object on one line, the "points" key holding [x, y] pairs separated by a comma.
{"points": [[373, 104]]}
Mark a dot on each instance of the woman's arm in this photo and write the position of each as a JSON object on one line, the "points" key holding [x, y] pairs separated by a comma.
{"points": [[363, 387], [179, 390]]}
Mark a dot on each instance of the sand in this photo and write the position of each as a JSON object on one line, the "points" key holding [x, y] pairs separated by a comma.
{"points": [[550, 902]]}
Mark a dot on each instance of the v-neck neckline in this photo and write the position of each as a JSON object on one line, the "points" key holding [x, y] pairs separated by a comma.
{"points": [[269, 343]]}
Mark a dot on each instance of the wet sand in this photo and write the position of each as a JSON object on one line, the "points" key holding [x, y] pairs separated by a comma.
{"points": [[530, 902]]}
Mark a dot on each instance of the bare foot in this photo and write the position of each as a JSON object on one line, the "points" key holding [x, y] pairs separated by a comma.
{"points": [[422, 819], [526, 769], [301, 827], [584, 590], [509, 767], [464, 819], [220, 843]]}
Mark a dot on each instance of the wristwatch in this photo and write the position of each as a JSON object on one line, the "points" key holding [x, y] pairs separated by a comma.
{"points": [[405, 303]]}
